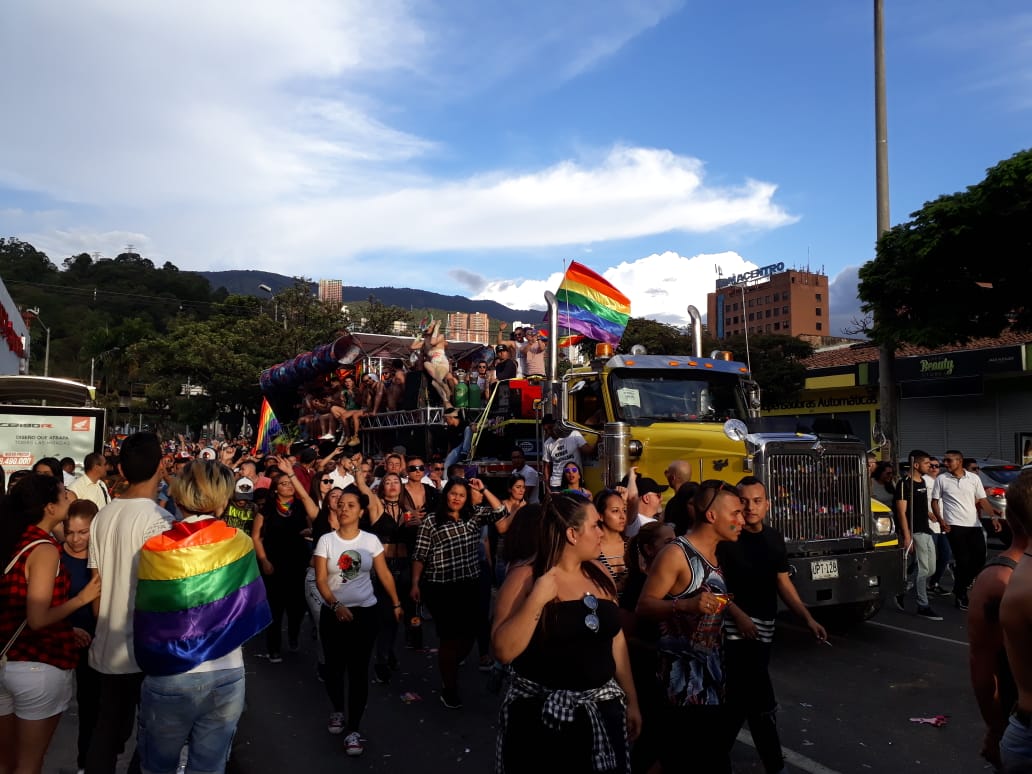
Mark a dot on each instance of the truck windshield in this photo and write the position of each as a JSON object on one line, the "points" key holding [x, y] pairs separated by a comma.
{"points": [[642, 397]]}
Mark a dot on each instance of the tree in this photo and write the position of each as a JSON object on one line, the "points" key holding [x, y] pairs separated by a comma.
{"points": [[379, 318], [776, 363], [959, 268]]}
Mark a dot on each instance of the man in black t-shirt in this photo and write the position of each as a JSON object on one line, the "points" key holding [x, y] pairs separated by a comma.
{"points": [[757, 573], [911, 508]]}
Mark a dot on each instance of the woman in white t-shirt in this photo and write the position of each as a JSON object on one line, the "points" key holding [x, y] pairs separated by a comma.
{"points": [[344, 560]]}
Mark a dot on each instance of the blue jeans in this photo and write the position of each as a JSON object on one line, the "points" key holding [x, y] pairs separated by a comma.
{"points": [[200, 709], [461, 451], [1016, 747]]}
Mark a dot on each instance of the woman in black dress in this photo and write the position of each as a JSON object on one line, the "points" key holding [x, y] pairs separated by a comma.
{"points": [[558, 625]]}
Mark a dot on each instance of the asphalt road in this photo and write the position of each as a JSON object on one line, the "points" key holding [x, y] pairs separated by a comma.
{"points": [[844, 708]]}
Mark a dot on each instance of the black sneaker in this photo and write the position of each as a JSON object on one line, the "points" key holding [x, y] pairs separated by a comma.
{"points": [[898, 600], [962, 604], [381, 674], [927, 613]]}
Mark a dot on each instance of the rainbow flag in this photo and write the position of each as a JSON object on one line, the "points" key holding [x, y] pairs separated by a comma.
{"points": [[268, 427], [570, 341], [590, 305], [199, 596]]}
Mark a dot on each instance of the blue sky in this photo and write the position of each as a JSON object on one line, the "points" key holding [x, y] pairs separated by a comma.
{"points": [[473, 146]]}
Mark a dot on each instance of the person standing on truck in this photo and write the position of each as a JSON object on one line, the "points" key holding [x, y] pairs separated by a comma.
{"points": [[757, 572], [687, 594], [956, 499], [558, 450]]}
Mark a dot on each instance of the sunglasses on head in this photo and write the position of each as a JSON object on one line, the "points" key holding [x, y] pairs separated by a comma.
{"points": [[414, 468], [717, 487]]}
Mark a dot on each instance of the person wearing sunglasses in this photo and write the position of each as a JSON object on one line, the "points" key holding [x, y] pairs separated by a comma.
{"points": [[558, 624], [687, 595], [943, 554], [573, 481]]}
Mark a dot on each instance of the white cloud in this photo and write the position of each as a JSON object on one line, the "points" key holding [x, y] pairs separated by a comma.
{"points": [[244, 133], [631, 192], [845, 305], [660, 286]]}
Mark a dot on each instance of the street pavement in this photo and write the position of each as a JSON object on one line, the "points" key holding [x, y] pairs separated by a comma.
{"points": [[844, 708]]}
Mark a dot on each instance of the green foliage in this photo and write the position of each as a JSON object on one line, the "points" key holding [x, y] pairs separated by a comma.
{"points": [[379, 317], [776, 363], [959, 268]]}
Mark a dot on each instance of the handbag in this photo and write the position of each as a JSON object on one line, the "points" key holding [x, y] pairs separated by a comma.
{"points": [[21, 626]]}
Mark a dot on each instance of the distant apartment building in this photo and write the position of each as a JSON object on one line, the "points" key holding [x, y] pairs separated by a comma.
{"points": [[463, 326], [771, 299], [331, 291]]}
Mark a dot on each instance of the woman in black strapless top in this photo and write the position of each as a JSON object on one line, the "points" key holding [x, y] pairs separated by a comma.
{"points": [[558, 625]]}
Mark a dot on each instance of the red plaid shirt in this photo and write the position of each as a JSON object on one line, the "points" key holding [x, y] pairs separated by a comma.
{"points": [[54, 644]]}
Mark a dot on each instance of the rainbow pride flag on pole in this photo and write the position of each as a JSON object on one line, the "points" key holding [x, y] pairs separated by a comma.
{"points": [[590, 305], [199, 596], [268, 427]]}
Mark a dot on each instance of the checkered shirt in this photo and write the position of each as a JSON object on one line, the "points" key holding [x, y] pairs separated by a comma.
{"points": [[449, 549]]}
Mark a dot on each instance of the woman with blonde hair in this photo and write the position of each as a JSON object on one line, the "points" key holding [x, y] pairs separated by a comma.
{"points": [[199, 598]]}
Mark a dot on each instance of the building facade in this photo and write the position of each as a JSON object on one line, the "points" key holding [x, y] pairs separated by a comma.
{"points": [[976, 398], [771, 299], [331, 291], [463, 326]]}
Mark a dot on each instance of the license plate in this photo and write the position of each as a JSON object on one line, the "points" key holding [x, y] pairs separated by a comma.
{"points": [[823, 569]]}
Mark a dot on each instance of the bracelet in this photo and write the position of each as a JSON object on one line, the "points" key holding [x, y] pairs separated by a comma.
{"points": [[398, 605], [337, 606]]}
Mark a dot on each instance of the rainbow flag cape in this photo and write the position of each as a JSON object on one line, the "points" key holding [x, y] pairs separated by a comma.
{"points": [[199, 596], [268, 427], [588, 304]]}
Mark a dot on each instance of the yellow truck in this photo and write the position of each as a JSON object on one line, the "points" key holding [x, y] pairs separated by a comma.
{"points": [[647, 410]]}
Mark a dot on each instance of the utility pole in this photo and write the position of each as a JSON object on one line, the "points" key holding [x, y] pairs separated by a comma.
{"points": [[887, 393]]}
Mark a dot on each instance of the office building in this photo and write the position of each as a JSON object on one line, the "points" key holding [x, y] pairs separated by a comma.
{"points": [[331, 291], [463, 326], [770, 299]]}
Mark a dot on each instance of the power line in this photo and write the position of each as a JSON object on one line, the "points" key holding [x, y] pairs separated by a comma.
{"points": [[94, 292]]}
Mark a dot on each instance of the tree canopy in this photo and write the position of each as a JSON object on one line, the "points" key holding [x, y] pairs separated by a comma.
{"points": [[959, 268]]}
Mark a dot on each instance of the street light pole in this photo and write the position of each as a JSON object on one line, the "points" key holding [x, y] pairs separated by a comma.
{"points": [[34, 311]]}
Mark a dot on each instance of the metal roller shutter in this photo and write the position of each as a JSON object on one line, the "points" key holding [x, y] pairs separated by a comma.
{"points": [[922, 425]]}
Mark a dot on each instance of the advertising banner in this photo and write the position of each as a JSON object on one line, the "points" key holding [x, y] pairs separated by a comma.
{"points": [[28, 434]]}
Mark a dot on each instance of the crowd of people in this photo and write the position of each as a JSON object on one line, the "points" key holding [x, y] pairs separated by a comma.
{"points": [[332, 406], [613, 622]]}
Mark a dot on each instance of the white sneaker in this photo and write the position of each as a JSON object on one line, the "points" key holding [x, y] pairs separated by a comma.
{"points": [[353, 744], [335, 725]]}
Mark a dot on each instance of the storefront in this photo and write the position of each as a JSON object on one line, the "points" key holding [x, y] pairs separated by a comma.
{"points": [[977, 399]]}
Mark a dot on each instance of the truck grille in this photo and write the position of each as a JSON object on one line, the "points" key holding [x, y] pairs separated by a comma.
{"points": [[817, 496]]}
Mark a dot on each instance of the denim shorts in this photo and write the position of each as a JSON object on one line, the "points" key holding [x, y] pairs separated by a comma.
{"points": [[201, 708], [1016, 747], [31, 690]]}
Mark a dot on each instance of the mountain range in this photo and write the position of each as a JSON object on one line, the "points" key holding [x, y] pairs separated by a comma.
{"points": [[246, 282]]}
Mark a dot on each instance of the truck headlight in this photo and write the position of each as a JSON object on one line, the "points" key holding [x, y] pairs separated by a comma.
{"points": [[883, 525]]}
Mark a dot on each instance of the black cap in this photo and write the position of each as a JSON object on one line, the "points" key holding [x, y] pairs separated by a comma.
{"points": [[308, 454], [501, 348]]}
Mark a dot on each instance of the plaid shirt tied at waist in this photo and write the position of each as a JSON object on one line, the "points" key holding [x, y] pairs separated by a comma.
{"points": [[561, 707]]}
